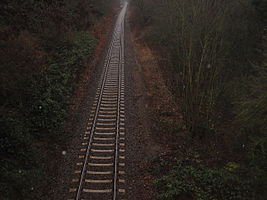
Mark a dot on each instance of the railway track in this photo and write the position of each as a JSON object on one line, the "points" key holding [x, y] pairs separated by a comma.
{"points": [[100, 173]]}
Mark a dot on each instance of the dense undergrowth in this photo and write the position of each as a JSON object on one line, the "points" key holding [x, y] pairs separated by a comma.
{"points": [[43, 48], [213, 57], [185, 181]]}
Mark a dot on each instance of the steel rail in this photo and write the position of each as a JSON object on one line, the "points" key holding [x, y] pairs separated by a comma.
{"points": [[105, 77]]}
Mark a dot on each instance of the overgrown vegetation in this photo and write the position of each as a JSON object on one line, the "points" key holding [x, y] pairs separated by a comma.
{"points": [[43, 47], [213, 56], [185, 181]]}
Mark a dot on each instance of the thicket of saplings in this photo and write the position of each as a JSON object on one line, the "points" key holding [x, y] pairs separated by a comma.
{"points": [[43, 46], [215, 56]]}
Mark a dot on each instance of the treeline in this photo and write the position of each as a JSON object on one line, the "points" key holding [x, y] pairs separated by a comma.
{"points": [[213, 53], [43, 47]]}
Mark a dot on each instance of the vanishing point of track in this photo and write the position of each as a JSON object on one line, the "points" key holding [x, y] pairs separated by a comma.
{"points": [[100, 173]]}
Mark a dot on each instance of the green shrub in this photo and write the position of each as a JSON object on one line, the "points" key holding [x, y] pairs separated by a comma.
{"points": [[84, 44], [201, 183], [53, 88]]}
